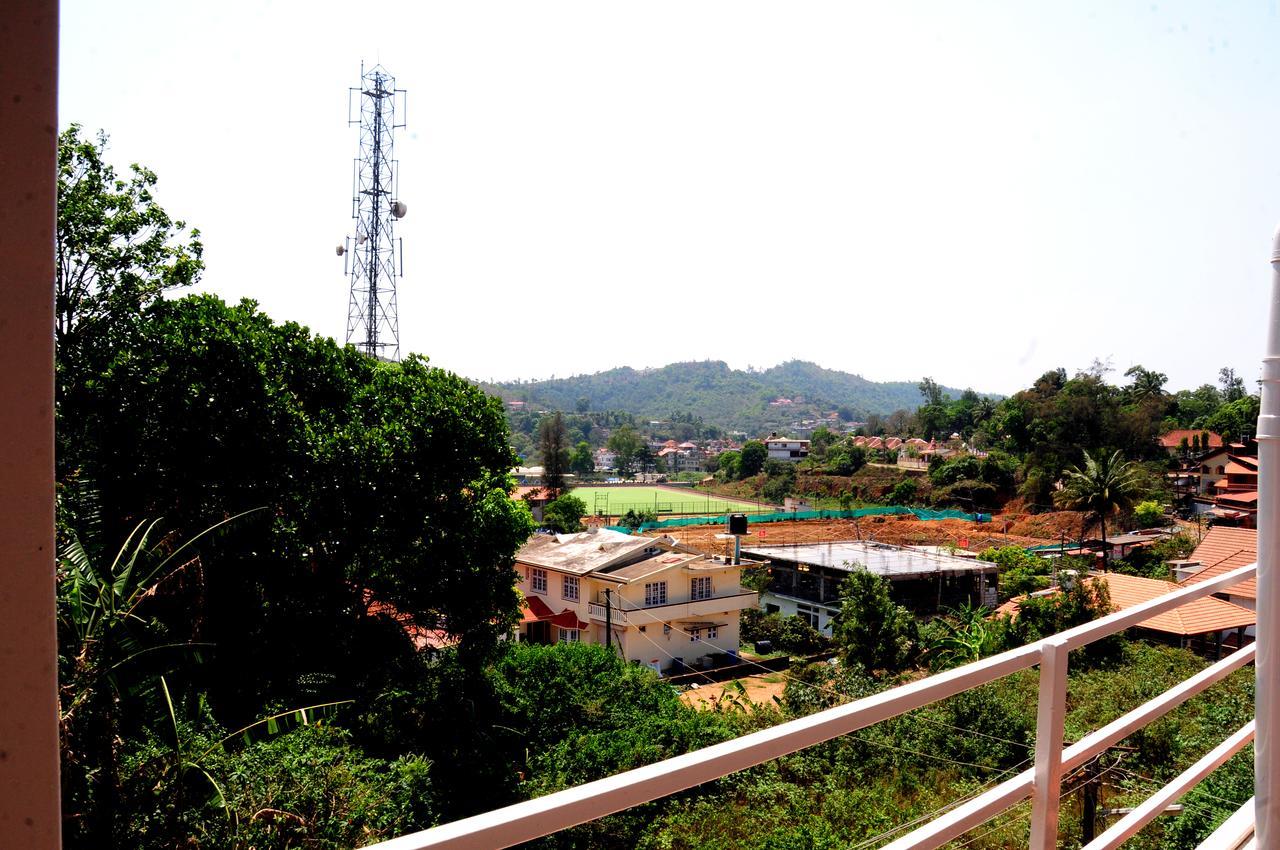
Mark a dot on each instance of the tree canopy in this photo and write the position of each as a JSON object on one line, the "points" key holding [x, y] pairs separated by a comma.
{"points": [[379, 477], [116, 247]]}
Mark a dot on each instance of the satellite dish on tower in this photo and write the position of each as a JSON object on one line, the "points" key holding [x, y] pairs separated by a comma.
{"points": [[399, 208], [341, 250]]}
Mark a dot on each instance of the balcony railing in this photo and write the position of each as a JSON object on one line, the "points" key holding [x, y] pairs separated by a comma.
{"points": [[672, 610], [1042, 783]]}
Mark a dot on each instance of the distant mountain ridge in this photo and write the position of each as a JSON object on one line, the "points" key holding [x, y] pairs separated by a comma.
{"points": [[719, 395]]}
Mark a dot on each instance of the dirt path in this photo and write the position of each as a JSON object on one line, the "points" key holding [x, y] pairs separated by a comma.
{"points": [[761, 689]]}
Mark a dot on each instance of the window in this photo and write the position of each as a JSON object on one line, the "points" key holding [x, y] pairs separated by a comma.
{"points": [[695, 635], [700, 588], [655, 593], [538, 580], [569, 588], [571, 635], [809, 615], [713, 632]]}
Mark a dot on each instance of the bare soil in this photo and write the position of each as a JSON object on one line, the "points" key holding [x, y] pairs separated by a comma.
{"points": [[761, 689], [1003, 530]]}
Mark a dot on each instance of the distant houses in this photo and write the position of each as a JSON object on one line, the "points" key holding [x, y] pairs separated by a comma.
{"points": [[1220, 482]]}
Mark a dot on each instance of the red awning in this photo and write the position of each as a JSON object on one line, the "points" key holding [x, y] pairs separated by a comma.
{"points": [[536, 610]]}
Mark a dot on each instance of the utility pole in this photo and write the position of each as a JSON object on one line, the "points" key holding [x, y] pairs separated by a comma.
{"points": [[1089, 808], [608, 618]]}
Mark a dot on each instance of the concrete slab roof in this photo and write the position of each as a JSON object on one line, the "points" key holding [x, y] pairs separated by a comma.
{"points": [[880, 558]]}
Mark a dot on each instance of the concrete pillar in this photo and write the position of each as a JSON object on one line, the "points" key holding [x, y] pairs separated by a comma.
{"points": [[29, 812], [1267, 666]]}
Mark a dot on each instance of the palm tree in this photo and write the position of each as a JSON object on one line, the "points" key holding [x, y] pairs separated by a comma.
{"points": [[1146, 383], [1106, 484]]}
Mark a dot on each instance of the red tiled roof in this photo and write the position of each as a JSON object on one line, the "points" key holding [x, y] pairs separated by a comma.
{"points": [[1222, 550], [1241, 466], [1197, 617], [421, 637], [529, 494], [1174, 438]]}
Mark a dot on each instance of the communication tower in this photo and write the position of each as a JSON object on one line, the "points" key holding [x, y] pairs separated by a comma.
{"points": [[376, 256]]}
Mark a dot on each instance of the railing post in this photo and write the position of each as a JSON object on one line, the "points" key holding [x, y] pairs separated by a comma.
{"points": [[1267, 697], [30, 817], [1050, 713]]}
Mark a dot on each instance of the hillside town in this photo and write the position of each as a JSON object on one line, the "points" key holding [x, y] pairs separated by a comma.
{"points": [[774, 428]]}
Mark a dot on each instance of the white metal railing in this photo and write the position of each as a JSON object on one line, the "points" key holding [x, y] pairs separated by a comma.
{"points": [[553, 812]]}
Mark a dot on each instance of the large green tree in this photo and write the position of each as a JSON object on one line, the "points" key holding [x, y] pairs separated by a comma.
{"points": [[751, 458], [116, 248], [581, 460], [871, 630], [390, 478], [624, 442], [553, 447]]}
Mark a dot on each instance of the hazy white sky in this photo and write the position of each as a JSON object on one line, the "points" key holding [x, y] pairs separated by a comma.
{"points": [[973, 191]]}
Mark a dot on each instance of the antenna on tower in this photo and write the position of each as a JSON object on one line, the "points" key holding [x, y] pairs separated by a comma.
{"points": [[373, 325]]}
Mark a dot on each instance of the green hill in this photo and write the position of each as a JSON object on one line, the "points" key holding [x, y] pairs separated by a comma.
{"points": [[719, 395]]}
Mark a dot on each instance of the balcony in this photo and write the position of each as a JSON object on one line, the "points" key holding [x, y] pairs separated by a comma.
{"points": [[623, 616], [1042, 783]]}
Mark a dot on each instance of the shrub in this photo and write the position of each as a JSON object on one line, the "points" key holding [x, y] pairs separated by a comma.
{"points": [[1148, 514], [310, 787], [903, 493], [565, 514]]}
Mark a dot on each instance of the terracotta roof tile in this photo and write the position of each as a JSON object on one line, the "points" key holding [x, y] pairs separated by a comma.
{"points": [[1222, 550], [1197, 617], [1174, 438]]}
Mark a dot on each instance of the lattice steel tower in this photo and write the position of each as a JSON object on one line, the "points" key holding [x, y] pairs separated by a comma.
{"points": [[372, 323]]}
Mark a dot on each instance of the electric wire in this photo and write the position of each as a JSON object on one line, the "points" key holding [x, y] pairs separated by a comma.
{"points": [[913, 714]]}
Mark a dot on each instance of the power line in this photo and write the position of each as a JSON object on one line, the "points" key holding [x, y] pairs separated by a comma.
{"points": [[943, 809], [845, 698]]}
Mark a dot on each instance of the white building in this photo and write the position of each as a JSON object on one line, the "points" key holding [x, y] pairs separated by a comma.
{"points": [[605, 460], [783, 448], [666, 606]]}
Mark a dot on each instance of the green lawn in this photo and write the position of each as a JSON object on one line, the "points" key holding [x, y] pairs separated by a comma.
{"points": [[659, 499]]}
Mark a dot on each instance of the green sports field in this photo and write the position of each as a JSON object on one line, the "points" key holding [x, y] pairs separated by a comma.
{"points": [[615, 501]]}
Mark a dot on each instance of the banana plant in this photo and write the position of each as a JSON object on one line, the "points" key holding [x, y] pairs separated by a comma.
{"points": [[967, 636], [103, 634]]}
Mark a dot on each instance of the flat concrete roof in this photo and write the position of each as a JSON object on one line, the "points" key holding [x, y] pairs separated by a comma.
{"points": [[583, 552], [879, 558]]}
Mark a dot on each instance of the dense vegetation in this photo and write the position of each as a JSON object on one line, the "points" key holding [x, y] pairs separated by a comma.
{"points": [[710, 391]]}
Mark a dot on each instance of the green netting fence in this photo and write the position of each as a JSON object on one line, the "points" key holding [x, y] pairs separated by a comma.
{"points": [[787, 516]]}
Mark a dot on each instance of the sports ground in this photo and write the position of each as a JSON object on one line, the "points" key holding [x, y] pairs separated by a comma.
{"points": [[664, 501]]}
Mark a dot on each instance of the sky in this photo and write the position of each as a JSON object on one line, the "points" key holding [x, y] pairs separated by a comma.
{"points": [[974, 191]]}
